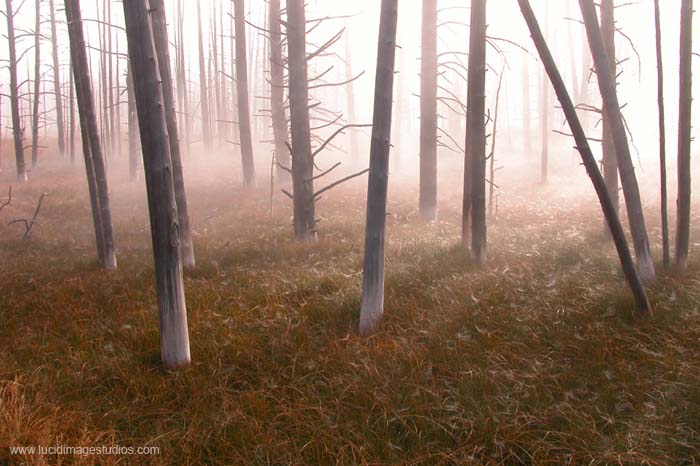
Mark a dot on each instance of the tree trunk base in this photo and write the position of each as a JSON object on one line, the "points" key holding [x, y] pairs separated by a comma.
{"points": [[645, 266], [429, 214]]}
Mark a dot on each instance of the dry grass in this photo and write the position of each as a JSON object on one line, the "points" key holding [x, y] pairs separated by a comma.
{"points": [[533, 360]]}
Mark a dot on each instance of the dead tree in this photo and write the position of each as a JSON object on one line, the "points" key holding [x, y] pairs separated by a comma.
{"points": [[280, 129], [607, 26], [165, 230], [428, 113], [37, 84], [57, 81], [71, 110], [476, 127], [242, 88], [134, 138], [684, 135], [17, 130], [29, 223], [372, 306], [92, 148], [160, 37], [662, 138], [492, 154], [611, 107], [589, 161], [203, 85], [302, 158]]}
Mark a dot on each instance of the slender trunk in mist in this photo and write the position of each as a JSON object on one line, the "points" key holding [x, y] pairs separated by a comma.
{"points": [[92, 147], [182, 78], [71, 107], [527, 111], [217, 88], [611, 108], [37, 84], [203, 93], [160, 38], [242, 88], [17, 130], [57, 81], [589, 161], [134, 138], [428, 113], [476, 127], [544, 124], [607, 26], [350, 96], [662, 138], [398, 114], [280, 129], [492, 154], [162, 205], [372, 306], [302, 159], [684, 135]]}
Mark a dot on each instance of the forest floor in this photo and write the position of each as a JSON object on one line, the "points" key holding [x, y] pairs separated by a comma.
{"points": [[535, 359]]}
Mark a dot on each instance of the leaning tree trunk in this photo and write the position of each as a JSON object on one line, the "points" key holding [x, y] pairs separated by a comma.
{"points": [[302, 161], [94, 158], [242, 91], [71, 111], [476, 128], [607, 26], [372, 306], [160, 37], [134, 138], [17, 131], [37, 85], [589, 161], [57, 81], [203, 93], [280, 129], [684, 135], [662, 137], [611, 107], [428, 113], [165, 230]]}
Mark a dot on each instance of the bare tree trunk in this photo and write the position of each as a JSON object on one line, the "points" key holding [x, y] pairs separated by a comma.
{"points": [[134, 138], [607, 26], [217, 89], [17, 131], [279, 116], [684, 135], [428, 113], [160, 37], [165, 230], [203, 85], [57, 81], [633, 279], [662, 138], [476, 128], [71, 135], [37, 84], [88, 122], [611, 107], [372, 306], [492, 154], [243, 103], [302, 162]]}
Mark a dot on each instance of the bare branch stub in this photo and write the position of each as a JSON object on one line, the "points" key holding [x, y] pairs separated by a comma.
{"points": [[29, 224], [9, 199]]}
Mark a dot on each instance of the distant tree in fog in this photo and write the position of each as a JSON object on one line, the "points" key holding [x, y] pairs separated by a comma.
{"points": [[17, 129], [428, 112], [280, 128], [607, 27], [37, 83], [372, 306], [662, 137], [242, 92]]}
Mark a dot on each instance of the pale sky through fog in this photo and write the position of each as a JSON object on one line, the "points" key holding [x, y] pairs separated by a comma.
{"points": [[504, 19]]}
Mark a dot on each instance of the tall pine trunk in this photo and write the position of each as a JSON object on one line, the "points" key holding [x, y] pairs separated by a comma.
{"points": [[37, 85], [162, 206], [372, 306], [242, 88], [662, 138], [280, 129], [428, 113], [607, 26], [57, 81], [203, 85], [17, 131]]}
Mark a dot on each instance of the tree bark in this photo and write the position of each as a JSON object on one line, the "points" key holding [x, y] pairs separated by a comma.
{"points": [[611, 108], [243, 103], [476, 128], [37, 85], [684, 135], [165, 230], [589, 161], [280, 128], [17, 131], [428, 113], [203, 93], [372, 306], [302, 162], [94, 158], [662, 138], [160, 37], [607, 26], [134, 138]]}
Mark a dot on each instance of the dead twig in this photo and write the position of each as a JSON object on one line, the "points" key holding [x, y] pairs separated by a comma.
{"points": [[29, 224]]}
